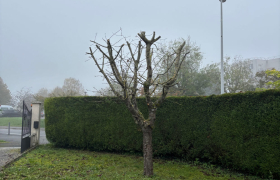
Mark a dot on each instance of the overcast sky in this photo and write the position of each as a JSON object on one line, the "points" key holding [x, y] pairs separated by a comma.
{"points": [[42, 42]]}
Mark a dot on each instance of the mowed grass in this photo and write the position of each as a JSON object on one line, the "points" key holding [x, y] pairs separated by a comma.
{"points": [[2, 141], [16, 122], [48, 162]]}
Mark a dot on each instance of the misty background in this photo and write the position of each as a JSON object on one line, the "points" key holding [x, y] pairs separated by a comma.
{"points": [[44, 42]]}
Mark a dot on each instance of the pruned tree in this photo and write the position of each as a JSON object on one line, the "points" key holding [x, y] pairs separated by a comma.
{"points": [[124, 64]]}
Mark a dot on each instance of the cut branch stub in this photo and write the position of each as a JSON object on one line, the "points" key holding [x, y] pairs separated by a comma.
{"points": [[142, 35]]}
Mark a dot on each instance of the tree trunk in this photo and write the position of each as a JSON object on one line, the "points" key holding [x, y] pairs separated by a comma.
{"points": [[147, 151]]}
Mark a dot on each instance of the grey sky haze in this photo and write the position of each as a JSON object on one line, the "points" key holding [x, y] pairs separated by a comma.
{"points": [[42, 42]]}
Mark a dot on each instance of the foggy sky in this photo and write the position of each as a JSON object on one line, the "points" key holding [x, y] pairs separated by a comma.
{"points": [[42, 42]]}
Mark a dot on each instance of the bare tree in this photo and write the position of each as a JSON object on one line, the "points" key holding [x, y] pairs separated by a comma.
{"points": [[41, 95], [71, 87], [124, 65], [57, 92], [108, 91], [23, 95]]}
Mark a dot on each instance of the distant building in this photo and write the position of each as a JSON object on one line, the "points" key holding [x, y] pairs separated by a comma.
{"points": [[258, 65]]}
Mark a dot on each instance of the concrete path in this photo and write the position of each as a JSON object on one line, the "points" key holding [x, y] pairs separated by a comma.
{"points": [[8, 154], [11, 150]]}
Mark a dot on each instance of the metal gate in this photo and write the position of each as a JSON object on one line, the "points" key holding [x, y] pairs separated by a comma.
{"points": [[26, 128]]}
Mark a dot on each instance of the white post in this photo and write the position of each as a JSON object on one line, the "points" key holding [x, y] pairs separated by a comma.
{"points": [[36, 116]]}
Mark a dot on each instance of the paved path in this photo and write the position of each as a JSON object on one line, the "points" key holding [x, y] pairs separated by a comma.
{"points": [[11, 150], [8, 154]]}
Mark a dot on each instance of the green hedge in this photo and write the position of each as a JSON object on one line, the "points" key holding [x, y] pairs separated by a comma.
{"points": [[241, 131], [245, 132]]}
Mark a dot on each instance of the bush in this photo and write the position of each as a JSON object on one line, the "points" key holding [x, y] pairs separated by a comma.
{"points": [[238, 130]]}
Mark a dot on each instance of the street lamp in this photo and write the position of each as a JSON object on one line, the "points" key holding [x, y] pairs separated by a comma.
{"points": [[222, 62]]}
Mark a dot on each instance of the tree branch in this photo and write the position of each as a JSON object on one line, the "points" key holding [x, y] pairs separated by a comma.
{"points": [[105, 75]]}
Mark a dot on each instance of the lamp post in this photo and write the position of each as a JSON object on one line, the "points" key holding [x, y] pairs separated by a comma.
{"points": [[222, 62]]}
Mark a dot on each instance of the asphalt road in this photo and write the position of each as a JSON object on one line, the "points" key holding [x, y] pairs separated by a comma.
{"points": [[14, 139]]}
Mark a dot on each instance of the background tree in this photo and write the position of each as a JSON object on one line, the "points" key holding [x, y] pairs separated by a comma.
{"points": [[190, 80], [193, 80], [22, 95], [262, 78], [41, 95], [5, 94], [71, 87], [57, 92], [276, 74], [108, 91], [212, 76], [238, 75], [124, 64]]}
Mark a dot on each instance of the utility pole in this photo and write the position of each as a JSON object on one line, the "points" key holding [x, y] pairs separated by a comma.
{"points": [[222, 56]]}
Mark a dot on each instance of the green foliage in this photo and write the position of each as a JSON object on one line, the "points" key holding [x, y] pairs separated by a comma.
{"points": [[94, 122], [212, 76], [260, 89], [245, 132], [238, 130], [238, 75], [269, 79], [274, 73]]}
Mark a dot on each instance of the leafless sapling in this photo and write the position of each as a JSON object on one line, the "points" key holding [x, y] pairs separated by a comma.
{"points": [[127, 68]]}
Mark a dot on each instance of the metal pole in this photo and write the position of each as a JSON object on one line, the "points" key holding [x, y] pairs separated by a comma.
{"points": [[9, 129], [222, 62]]}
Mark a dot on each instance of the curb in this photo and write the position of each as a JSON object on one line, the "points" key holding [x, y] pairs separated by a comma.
{"points": [[16, 158], [9, 148]]}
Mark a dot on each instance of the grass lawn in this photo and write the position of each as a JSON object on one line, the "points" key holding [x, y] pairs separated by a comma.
{"points": [[1, 141], [48, 162], [16, 121]]}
